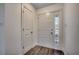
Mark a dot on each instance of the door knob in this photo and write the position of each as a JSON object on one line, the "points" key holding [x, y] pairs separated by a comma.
{"points": [[31, 32], [51, 33]]}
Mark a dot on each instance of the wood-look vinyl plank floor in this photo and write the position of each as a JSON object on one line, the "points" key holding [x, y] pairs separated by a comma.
{"points": [[39, 50]]}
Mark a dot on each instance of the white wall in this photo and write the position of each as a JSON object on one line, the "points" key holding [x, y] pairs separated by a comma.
{"points": [[2, 28], [13, 29], [10, 29], [71, 14]]}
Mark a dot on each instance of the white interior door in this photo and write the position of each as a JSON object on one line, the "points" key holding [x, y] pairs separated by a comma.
{"points": [[50, 30], [27, 18]]}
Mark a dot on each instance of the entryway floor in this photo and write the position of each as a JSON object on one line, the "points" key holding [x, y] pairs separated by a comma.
{"points": [[39, 50]]}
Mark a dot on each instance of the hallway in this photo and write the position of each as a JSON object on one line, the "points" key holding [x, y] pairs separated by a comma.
{"points": [[39, 29]]}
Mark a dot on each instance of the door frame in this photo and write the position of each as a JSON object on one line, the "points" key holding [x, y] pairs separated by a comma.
{"points": [[22, 28], [62, 17]]}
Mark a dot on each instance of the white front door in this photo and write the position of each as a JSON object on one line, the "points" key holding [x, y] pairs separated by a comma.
{"points": [[27, 31], [50, 30], [56, 29]]}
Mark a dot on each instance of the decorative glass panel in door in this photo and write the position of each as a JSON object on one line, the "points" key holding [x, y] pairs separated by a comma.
{"points": [[56, 29]]}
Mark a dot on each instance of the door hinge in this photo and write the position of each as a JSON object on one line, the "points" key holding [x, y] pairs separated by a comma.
{"points": [[23, 29], [23, 47], [23, 11]]}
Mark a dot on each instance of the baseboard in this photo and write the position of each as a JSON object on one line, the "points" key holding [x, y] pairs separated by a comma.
{"points": [[45, 46], [49, 46], [30, 47]]}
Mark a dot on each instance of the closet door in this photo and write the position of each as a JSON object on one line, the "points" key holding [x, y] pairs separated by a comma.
{"points": [[27, 22]]}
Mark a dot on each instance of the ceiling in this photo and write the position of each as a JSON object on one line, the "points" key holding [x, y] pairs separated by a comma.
{"points": [[41, 5]]}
